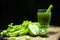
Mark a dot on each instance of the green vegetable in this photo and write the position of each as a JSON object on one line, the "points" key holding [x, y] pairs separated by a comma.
{"points": [[21, 29], [10, 25], [4, 33], [27, 38], [23, 32], [43, 31], [26, 23], [36, 23], [33, 29], [13, 38], [49, 9]]}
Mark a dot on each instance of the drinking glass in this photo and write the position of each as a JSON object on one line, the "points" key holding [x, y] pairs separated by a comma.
{"points": [[44, 20]]}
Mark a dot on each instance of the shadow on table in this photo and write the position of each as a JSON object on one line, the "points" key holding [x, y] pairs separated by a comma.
{"points": [[49, 33], [59, 38], [52, 33]]}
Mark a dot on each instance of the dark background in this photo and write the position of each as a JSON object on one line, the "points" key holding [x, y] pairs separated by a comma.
{"points": [[18, 10]]}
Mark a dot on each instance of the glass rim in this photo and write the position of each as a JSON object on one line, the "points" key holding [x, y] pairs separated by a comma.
{"points": [[42, 10]]}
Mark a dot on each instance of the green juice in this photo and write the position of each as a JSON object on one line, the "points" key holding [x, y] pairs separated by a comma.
{"points": [[44, 18]]}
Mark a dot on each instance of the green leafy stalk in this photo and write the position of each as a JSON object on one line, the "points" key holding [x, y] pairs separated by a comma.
{"points": [[49, 9]]}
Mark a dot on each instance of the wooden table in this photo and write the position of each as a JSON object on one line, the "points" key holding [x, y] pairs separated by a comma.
{"points": [[54, 34]]}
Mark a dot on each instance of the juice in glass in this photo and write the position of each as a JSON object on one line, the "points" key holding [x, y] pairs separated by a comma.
{"points": [[44, 20]]}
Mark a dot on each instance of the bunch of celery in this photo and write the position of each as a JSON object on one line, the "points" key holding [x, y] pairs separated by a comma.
{"points": [[18, 30]]}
